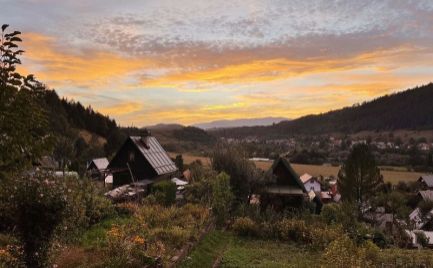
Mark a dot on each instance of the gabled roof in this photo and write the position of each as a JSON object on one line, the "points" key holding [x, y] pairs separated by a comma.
{"points": [[427, 179], [426, 195], [100, 163], [290, 169], [154, 154], [306, 177]]}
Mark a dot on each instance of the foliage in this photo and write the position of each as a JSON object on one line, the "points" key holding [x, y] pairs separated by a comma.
{"points": [[244, 177], [359, 178], [179, 162], [34, 207], [222, 198], [422, 239], [23, 120], [85, 207], [245, 226], [394, 203], [425, 206], [153, 232], [165, 192]]}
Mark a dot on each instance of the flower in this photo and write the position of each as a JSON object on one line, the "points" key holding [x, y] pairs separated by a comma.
{"points": [[138, 240]]}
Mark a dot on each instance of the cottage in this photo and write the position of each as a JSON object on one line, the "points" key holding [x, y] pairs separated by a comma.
{"points": [[426, 182], [311, 183], [141, 160], [285, 188], [96, 169]]}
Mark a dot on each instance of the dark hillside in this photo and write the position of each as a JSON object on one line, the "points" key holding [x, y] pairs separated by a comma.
{"points": [[411, 109]]}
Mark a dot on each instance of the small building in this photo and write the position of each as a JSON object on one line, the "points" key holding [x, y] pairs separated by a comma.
{"points": [[426, 195], [421, 221], [285, 188], [311, 183], [426, 181], [414, 238], [96, 169], [141, 160]]}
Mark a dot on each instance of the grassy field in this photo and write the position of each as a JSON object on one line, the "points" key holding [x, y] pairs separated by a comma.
{"points": [[393, 176], [224, 249], [228, 250]]}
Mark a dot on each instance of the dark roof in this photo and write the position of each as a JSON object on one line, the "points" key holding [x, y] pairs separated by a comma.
{"points": [[291, 171], [154, 154]]}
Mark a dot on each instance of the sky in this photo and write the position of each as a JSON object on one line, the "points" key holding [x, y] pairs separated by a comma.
{"points": [[144, 62]]}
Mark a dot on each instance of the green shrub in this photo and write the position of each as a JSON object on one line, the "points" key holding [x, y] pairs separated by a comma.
{"points": [[36, 206], [245, 226], [222, 198], [422, 239], [294, 230], [164, 192], [342, 252]]}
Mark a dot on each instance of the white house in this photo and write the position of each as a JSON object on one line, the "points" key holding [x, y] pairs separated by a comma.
{"points": [[311, 183]]}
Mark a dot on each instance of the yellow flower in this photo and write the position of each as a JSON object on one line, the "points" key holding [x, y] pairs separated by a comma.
{"points": [[115, 232], [138, 240]]}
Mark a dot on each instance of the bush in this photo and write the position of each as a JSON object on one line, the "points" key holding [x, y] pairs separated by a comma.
{"points": [[342, 252], [222, 198], [245, 226], [85, 206], [36, 206], [164, 192], [421, 239], [294, 230]]}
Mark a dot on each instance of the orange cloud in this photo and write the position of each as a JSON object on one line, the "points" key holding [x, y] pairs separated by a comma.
{"points": [[58, 67], [121, 108]]}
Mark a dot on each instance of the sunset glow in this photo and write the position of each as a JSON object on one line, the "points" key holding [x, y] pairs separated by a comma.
{"points": [[147, 62]]}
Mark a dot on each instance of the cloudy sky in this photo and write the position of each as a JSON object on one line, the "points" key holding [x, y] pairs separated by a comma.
{"points": [[144, 62]]}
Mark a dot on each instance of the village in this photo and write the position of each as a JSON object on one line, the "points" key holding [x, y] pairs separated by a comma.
{"points": [[142, 162], [195, 134]]}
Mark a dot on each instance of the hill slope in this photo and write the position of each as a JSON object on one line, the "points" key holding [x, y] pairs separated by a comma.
{"points": [[410, 109]]}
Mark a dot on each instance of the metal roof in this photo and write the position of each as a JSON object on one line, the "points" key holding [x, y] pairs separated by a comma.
{"points": [[427, 179], [426, 195], [154, 154], [100, 163]]}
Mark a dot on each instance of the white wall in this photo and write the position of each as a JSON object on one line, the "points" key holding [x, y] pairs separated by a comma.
{"points": [[312, 185]]}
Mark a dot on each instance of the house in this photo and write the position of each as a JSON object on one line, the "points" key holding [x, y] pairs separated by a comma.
{"points": [[285, 188], [420, 221], [96, 169], [414, 238], [311, 183], [141, 160], [426, 181], [426, 195]]}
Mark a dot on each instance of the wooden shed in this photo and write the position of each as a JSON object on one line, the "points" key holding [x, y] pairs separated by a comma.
{"points": [[285, 188]]}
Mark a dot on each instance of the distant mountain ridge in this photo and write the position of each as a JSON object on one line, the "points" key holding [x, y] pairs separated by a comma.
{"points": [[265, 121], [411, 109]]}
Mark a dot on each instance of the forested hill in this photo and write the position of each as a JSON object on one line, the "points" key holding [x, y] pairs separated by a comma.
{"points": [[65, 114], [410, 109]]}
